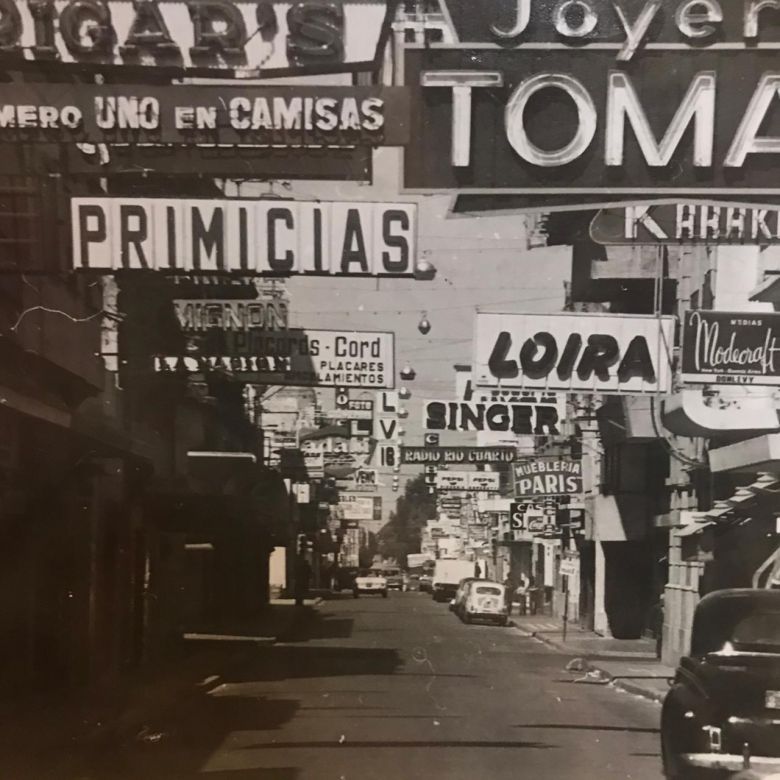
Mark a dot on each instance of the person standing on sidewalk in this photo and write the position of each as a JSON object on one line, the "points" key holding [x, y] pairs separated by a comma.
{"points": [[657, 625], [302, 579]]}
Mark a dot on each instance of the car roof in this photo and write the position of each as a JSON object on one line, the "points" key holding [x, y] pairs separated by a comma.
{"points": [[718, 613]]}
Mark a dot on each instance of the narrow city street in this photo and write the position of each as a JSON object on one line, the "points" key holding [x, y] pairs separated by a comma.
{"points": [[397, 688]]}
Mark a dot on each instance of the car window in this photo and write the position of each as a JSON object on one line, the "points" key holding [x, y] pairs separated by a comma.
{"points": [[759, 631], [488, 590]]}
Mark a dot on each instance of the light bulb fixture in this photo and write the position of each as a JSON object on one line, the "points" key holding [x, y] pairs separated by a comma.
{"points": [[424, 325], [404, 393], [401, 432], [425, 271], [403, 413], [396, 469], [408, 373]]}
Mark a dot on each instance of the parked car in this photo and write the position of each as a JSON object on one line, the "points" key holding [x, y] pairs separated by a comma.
{"points": [[484, 600], [370, 581], [723, 709], [345, 578], [411, 582], [457, 601], [395, 578], [426, 583]]}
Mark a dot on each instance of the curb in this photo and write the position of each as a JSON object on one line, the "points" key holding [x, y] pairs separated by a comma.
{"points": [[564, 648], [625, 685], [638, 690]]}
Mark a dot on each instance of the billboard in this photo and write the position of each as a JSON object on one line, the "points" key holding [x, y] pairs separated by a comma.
{"points": [[234, 38], [596, 353], [514, 418], [357, 507], [541, 477], [569, 102], [727, 348], [282, 116], [307, 358], [263, 237], [457, 455], [689, 223]]}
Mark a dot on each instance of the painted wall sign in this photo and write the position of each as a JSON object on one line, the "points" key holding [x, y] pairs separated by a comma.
{"points": [[565, 121], [468, 480], [603, 353], [321, 358], [511, 418], [455, 455], [191, 114], [264, 237], [689, 223], [731, 348], [266, 38], [548, 477]]}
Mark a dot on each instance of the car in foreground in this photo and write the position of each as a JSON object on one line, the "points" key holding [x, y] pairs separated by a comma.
{"points": [[484, 600], [722, 713], [426, 583], [368, 581]]}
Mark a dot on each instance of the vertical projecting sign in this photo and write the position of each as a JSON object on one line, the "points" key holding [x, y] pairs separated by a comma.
{"points": [[386, 427]]}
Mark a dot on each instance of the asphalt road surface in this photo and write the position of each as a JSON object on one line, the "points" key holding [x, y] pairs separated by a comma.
{"points": [[399, 688]]}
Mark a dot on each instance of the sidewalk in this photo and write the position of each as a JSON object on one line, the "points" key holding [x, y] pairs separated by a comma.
{"points": [[628, 664], [55, 730]]}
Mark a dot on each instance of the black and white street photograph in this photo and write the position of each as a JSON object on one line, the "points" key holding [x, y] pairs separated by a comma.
{"points": [[389, 390]]}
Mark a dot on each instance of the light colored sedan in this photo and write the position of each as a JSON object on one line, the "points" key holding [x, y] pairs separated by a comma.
{"points": [[368, 581]]}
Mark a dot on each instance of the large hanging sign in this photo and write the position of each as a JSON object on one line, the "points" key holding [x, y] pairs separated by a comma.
{"points": [[597, 353], [457, 455], [587, 100], [318, 358], [269, 116], [726, 348], [548, 477], [541, 419], [688, 223], [265, 237], [251, 39]]}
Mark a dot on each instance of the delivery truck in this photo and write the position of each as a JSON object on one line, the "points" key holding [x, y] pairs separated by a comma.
{"points": [[447, 574]]}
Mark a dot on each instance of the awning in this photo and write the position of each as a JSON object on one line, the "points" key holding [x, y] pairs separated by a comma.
{"points": [[768, 291], [688, 413], [761, 453], [693, 528]]}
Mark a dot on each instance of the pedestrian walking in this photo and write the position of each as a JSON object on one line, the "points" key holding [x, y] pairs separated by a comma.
{"points": [[522, 593]]}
